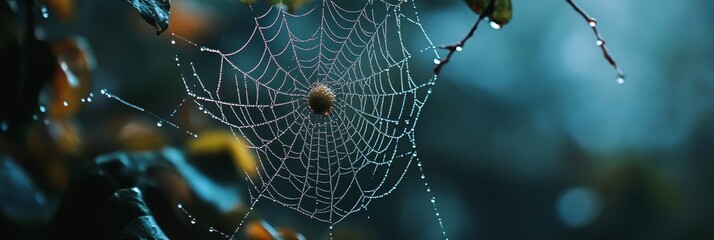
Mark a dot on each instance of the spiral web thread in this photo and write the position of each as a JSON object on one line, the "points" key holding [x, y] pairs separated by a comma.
{"points": [[325, 167]]}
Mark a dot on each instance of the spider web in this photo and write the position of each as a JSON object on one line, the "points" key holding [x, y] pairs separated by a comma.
{"points": [[376, 58]]}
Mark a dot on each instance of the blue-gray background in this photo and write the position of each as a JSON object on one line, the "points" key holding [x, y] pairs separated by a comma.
{"points": [[527, 134]]}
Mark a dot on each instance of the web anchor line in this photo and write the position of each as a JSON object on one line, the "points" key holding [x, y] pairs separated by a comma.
{"points": [[160, 120]]}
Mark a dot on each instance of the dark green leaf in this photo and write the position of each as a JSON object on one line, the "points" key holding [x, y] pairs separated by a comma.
{"points": [[154, 12], [502, 10]]}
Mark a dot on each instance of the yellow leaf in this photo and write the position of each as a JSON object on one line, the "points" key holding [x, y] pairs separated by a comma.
{"points": [[220, 141]]}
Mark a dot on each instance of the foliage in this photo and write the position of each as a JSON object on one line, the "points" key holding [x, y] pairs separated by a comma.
{"points": [[502, 10], [155, 12]]}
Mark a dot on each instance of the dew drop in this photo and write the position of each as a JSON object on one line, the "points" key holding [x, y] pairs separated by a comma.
{"points": [[592, 23], [65, 103], [428, 91], [330, 227], [495, 25], [103, 91], [437, 61], [423, 176], [414, 154], [83, 100], [89, 99], [621, 79], [159, 123], [176, 58], [46, 122], [35, 117], [4, 126], [203, 49], [43, 108], [193, 221], [459, 48], [600, 42], [45, 13], [211, 229], [433, 200], [428, 190], [91, 95], [418, 164], [173, 41], [180, 206]]}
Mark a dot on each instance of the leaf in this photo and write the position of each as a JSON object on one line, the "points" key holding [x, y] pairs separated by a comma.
{"points": [[126, 215], [502, 10], [72, 76], [261, 230], [64, 9], [217, 141], [154, 12]]}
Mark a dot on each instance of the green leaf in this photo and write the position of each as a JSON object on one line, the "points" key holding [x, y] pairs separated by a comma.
{"points": [[502, 10], [154, 12]]}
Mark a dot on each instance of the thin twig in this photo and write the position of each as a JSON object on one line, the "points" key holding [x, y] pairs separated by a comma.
{"points": [[600, 41], [458, 46]]}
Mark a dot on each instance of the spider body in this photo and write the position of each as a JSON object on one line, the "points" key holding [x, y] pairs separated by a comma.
{"points": [[321, 99]]}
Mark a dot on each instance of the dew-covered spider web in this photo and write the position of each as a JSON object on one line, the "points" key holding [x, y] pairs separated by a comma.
{"points": [[376, 58]]}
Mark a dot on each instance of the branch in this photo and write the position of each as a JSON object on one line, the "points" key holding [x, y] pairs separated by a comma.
{"points": [[458, 46], [600, 41]]}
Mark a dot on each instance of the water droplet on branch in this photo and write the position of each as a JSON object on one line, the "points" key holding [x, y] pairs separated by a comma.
{"points": [[621, 79]]}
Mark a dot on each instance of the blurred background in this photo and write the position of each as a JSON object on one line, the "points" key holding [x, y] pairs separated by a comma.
{"points": [[527, 134]]}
